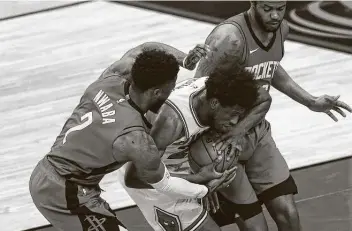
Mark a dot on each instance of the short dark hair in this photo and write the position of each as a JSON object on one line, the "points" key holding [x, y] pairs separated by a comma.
{"points": [[235, 86], [153, 68]]}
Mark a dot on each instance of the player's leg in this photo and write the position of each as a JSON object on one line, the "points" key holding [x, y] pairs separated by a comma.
{"points": [[239, 204], [67, 206], [208, 225], [270, 177]]}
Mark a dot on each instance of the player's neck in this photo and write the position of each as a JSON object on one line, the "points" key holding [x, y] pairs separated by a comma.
{"points": [[201, 108], [260, 33], [139, 99]]}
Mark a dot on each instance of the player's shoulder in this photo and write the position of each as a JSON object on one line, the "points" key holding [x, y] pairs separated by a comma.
{"points": [[107, 80], [168, 123], [227, 32], [168, 117], [132, 141], [284, 29], [167, 113], [227, 29]]}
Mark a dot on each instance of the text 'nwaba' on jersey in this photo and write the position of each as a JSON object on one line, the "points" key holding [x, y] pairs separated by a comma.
{"points": [[105, 103]]}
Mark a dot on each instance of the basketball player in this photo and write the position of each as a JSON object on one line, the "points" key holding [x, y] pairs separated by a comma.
{"points": [[194, 106], [256, 39], [106, 130]]}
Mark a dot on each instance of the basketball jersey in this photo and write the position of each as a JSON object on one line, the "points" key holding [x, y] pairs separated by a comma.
{"points": [[83, 151], [260, 60], [180, 100]]}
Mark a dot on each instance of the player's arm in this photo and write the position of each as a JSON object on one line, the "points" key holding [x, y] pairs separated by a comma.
{"points": [[124, 65], [284, 83], [227, 47], [252, 118], [325, 103], [139, 148], [166, 129]]}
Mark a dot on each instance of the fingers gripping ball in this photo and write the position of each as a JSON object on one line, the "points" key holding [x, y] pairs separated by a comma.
{"points": [[202, 153]]}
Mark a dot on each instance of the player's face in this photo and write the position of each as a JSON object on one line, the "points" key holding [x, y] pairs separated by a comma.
{"points": [[160, 96], [269, 14], [224, 118]]}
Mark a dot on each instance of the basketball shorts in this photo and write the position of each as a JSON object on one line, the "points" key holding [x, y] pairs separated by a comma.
{"points": [[164, 213], [262, 176], [68, 206]]}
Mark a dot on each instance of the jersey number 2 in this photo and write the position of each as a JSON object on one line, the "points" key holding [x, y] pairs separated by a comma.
{"points": [[88, 117]]}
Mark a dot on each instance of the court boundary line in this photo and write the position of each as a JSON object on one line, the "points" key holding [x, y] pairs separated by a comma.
{"points": [[215, 20]]}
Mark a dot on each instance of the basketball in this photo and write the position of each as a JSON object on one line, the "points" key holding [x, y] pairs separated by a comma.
{"points": [[202, 153]]}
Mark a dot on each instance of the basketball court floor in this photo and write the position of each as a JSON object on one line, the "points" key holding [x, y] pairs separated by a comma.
{"points": [[49, 58]]}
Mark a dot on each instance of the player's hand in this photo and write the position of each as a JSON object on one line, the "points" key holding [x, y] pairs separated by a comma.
{"points": [[194, 55], [232, 143], [327, 104], [208, 172], [222, 182], [211, 202]]}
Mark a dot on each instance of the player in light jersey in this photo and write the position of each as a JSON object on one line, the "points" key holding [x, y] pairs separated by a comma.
{"points": [[193, 107], [256, 38], [106, 130]]}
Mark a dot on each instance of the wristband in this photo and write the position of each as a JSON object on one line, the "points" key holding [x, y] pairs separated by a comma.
{"points": [[183, 62]]}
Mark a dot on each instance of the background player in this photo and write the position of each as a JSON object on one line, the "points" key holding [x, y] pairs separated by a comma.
{"points": [[256, 39], [106, 130], [194, 106]]}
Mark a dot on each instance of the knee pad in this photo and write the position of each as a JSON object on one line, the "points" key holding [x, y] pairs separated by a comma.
{"points": [[284, 188]]}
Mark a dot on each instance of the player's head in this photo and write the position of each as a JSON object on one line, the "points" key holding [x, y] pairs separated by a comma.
{"points": [[269, 14], [230, 94], [154, 74]]}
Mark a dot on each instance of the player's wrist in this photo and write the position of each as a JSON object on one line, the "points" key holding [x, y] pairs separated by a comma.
{"points": [[206, 191], [184, 62]]}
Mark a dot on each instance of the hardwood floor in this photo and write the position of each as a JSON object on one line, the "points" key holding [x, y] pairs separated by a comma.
{"points": [[48, 59]]}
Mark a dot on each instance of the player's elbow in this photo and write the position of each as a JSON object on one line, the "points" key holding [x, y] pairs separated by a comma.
{"points": [[266, 103], [263, 97], [263, 102], [151, 173], [130, 175]]}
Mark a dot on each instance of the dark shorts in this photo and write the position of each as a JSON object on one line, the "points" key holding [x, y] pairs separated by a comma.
{"points": [[262, 176], [68, 206]]}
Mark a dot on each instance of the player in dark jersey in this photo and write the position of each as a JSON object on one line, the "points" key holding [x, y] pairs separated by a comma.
{"points": [[256, 40], [106, 130]]}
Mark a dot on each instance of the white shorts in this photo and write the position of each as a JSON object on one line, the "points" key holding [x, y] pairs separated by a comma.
{"points": [[164, 213]]}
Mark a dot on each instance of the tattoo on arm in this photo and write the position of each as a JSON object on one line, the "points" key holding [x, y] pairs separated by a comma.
{"points": [[227, 47], [139, 147]]}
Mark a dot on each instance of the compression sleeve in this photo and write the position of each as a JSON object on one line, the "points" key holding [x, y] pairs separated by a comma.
{"points": [[178, 187]]}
